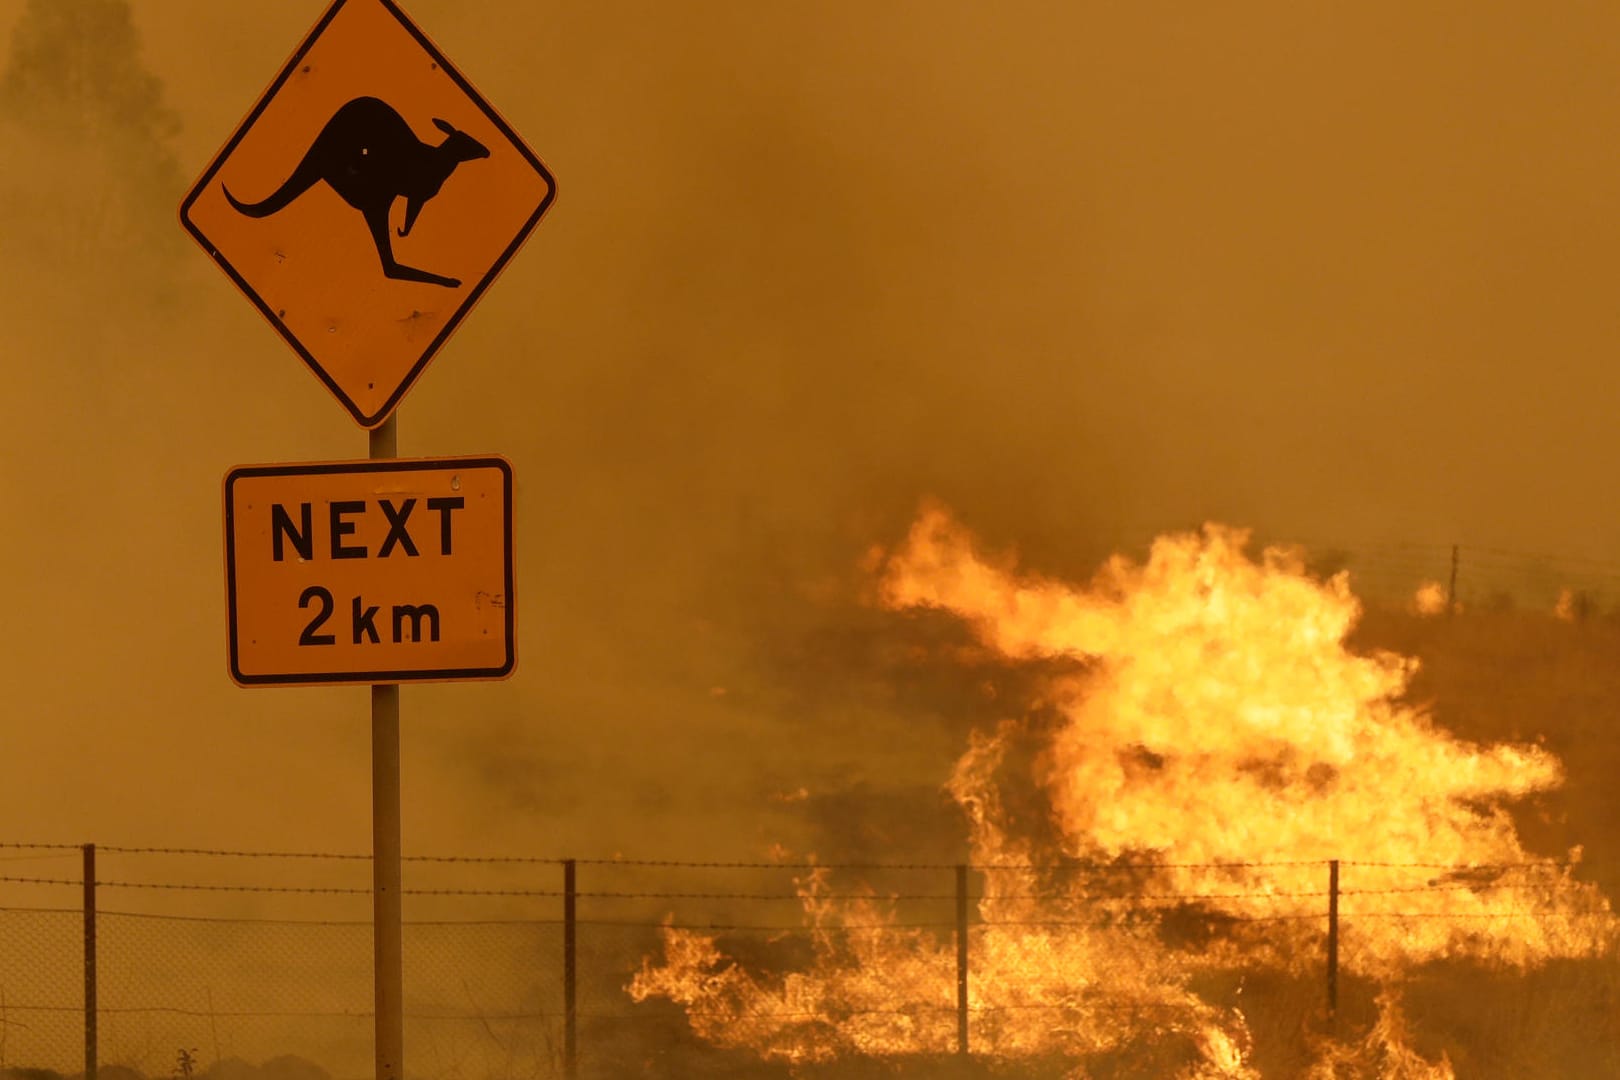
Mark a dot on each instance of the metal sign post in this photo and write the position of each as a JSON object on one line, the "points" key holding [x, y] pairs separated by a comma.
{"points": [[388, 944], [364, 206]]}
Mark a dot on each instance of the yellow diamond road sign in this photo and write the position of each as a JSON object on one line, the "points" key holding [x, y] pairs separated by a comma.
{"points": [[387, 571], [366, 203]]}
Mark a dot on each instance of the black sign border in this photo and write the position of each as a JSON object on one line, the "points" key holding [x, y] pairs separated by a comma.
{"points": [[370, 677], [388, 406]]}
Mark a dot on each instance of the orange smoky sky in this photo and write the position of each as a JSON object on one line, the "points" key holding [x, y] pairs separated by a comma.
{"points": [[1342, 273]]}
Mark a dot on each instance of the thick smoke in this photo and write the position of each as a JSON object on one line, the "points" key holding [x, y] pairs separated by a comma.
{"points": [[1086, 275]]}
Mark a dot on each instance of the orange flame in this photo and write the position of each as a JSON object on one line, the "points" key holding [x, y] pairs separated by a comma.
{"points": [[1430, 599], [1384, 1052], [1218, 729]]}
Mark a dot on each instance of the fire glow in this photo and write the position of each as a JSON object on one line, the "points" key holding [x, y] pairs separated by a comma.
{"points": [[1216, 745]]}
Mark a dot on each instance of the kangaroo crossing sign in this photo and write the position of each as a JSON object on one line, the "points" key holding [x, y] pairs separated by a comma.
{"points": [[395, 570], [366, 203]]}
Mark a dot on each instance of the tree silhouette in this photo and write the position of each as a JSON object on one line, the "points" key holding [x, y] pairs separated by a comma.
{"points": [[89, 184]]}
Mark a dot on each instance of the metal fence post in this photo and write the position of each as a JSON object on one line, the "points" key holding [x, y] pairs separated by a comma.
{"points": [[570, 971], [961, 960], [1333, 940], [89, 962]]}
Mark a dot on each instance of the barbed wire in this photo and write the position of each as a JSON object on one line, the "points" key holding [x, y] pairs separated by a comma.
{"points": [[845, 896], [1540, 557], [1539, 913], [626, 924], [366, 1014], [1553, 864], [116, 849], [696, 864], [872, 897], [34, 858], [728, 927], [1208, 916], [155, 916], [40, 847], [636, 924], [1376, 551], [679, 863], [186, 886], [1106, 1006], [795, 866], [1491, 887]]}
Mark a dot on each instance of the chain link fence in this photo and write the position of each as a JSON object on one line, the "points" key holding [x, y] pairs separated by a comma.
{"points": [[246, 966]]}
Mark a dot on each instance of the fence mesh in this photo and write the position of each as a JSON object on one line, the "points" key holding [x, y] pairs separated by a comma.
{"points": [[41, 987], [758, 971]]}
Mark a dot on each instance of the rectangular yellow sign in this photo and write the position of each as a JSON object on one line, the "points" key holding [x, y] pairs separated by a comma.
{"points": [[382, 571]]}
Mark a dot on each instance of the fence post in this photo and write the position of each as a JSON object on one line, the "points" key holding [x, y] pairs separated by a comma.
{"points": [[1333, 940], [89, 962], [570, 971], [961, 960]]}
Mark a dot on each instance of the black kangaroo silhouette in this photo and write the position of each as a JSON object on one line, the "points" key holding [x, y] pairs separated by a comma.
{"points": [[368, 154]]}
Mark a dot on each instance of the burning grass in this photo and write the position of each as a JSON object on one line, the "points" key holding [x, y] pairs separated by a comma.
{"points": [[1213, 743]]}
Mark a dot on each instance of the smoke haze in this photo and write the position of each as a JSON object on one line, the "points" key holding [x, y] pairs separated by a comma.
{"points": [[1084, 273]]}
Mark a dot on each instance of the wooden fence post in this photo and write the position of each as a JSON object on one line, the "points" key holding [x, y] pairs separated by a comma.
{"points": [[1333, 941], [961, 960], [570, 974], [89, 962]]}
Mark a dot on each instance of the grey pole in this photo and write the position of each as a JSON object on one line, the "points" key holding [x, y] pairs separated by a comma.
{"points": [[387, 935]]}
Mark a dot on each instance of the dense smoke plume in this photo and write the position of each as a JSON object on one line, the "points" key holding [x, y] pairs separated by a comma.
{"points": [[1087, 274]]}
